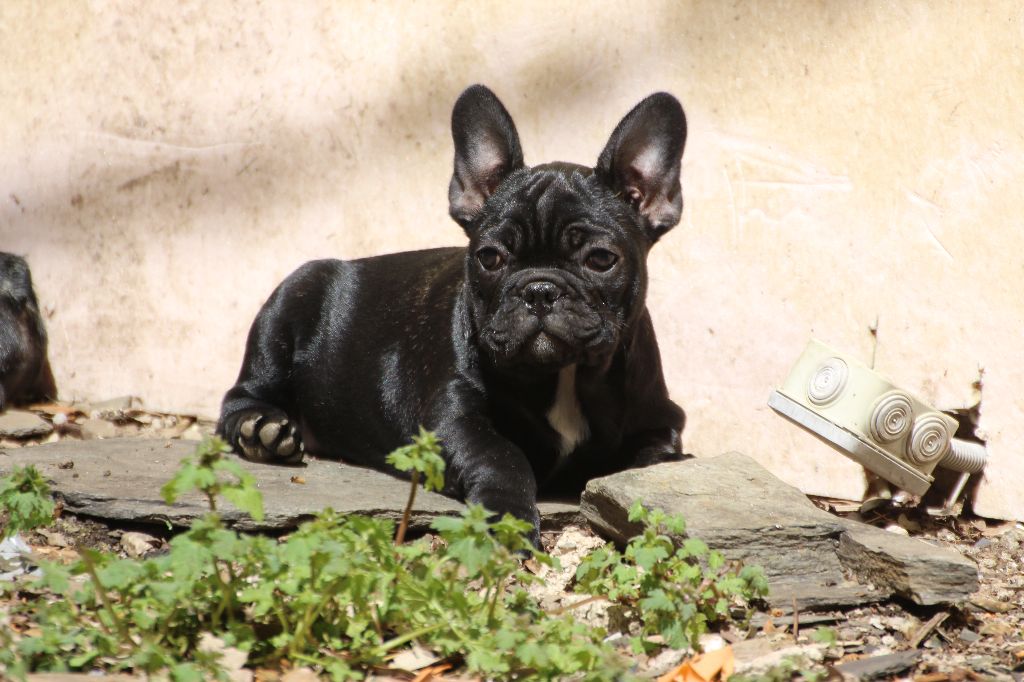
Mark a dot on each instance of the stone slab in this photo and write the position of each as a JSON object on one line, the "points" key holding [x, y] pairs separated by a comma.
{"points": [[739, 508], [909, 567], [120, 479], [21, 424], [877, 667]]}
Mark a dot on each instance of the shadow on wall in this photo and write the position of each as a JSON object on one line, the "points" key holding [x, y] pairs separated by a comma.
{"points": [[562, 65]]}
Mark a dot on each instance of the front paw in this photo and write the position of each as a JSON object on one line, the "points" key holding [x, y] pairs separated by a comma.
{"points": [[658, 456], [500, 503], [268, 436]]}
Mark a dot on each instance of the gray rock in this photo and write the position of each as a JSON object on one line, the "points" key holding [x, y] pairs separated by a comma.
{"points": [[878, 666], [120, 479], [909, 567], [94, 429], [742, 510], [20, 424]]}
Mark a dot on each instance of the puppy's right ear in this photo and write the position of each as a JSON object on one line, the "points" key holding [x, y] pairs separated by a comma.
{"points": [[486, 151]]}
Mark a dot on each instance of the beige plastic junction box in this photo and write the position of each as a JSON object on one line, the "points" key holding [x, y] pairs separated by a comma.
{"points": [[860, 412]]}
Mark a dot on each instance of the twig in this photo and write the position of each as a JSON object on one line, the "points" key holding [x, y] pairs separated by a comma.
{"points": [[400, 535], [796, 621], [583, 602], [926, 629]]}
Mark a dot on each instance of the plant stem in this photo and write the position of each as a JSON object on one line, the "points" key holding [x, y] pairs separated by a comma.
{"points": [[400, 535], [225, 598], [101, 592], [493, 599], [407, 637], [305, 623]]}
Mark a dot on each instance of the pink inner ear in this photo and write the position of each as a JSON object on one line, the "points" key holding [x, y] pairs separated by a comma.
{"points": [[648, 163], [491, 177]]}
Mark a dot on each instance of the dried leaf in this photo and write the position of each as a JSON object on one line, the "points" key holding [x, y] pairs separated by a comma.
{"points": [[713, 665], [432, 672]]}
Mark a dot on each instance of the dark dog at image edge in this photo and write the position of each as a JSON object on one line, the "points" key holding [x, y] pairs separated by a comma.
{"points": [[25, 374], [530, 353]]}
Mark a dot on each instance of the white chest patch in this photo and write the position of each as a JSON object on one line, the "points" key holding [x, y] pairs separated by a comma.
{"points": [[565, 415]]}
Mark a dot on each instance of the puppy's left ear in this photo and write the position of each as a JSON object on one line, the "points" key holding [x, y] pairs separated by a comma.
{"points": [[642, 158], [486, 151]]}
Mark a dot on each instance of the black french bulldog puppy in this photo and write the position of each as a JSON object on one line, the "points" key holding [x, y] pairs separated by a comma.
{"points": [[530, 353], [25, 374]]}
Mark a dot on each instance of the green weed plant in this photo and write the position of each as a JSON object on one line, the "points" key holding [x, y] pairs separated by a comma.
{"points": [[672, 591], [340, 594]]}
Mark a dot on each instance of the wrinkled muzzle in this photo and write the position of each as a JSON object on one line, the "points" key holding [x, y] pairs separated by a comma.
{"points": [[546, 320]]}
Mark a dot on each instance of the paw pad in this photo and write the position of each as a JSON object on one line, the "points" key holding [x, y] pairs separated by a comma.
{"points": [[269, 438]]}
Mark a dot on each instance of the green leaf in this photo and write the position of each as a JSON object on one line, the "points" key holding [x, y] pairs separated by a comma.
{"points": [[423, 456], [249, 500], [187, 672], [647, 557], [657, 600], [675, 525], [25, 501], [448, 524], [637, 512], [695, 547], [471, 554], [824, 635], [117, 575]]}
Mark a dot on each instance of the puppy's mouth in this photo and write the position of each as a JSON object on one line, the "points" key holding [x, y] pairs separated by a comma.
{"points": [[551, 341]]}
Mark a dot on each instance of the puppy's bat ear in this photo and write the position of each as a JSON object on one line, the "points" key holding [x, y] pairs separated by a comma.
{"points": [[486, 151], [642, 158]]}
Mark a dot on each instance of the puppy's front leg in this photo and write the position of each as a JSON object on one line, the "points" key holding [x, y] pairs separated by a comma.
{"points": [[653, 446], [486, 468]]}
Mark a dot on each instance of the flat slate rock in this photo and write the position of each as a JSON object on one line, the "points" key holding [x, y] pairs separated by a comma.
{"points": [[20, 424], [876, 667], [909, 567], [738, 507], [120, 479]]}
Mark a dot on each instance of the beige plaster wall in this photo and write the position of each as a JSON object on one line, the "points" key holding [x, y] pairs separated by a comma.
{"points": [[164, 165]]}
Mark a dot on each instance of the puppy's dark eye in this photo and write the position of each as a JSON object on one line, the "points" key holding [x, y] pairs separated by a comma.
{"points": [[601, 260], [490, 259]]}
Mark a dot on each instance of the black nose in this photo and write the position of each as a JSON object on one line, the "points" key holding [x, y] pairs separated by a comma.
{"points": [[540, 295]]}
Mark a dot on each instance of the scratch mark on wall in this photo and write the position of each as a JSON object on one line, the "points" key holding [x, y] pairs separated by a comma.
{"points": [[778, 169], [932, 207], [936, 240], [919, 200], [170, 171], [153, 145]]}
